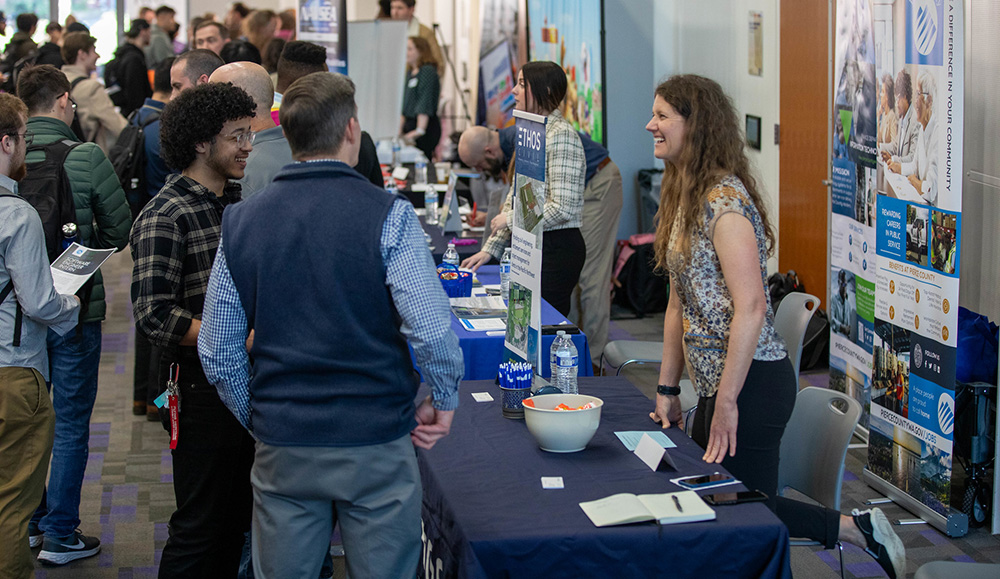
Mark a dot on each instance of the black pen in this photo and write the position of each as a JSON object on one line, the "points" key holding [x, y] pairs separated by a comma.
{"points": [[678, 504]]}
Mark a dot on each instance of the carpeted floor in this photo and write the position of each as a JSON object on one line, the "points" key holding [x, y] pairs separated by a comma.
{"points": [[128, 496]]}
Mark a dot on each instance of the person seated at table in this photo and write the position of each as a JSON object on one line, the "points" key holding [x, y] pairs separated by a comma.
{"points": [[540, 89], [713, 238], [921, 170], [419, 122], [888, 122], [905, 144]]}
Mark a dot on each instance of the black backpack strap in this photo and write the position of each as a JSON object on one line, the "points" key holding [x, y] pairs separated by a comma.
{"points": [[75, 82], [7, 289]]}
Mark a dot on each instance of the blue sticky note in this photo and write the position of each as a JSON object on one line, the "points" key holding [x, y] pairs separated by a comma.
{"points": [[631, 438], [161, 400]]}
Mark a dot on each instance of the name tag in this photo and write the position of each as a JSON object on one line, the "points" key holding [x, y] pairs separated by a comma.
{"points": [[412, 83]]}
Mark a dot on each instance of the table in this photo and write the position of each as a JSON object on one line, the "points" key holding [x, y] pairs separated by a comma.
{"points": [[486, 515], [439, 242], [484, 353]]}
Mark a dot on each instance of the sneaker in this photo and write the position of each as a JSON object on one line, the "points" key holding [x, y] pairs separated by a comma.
{"points": [[34, 535], [62, 551], [882, 542]]}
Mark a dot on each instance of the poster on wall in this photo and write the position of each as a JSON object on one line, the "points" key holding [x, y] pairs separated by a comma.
{"points": [[896, 232], [570, 33], [324, 22], [755, 50], [496, 87], [524, 308]]}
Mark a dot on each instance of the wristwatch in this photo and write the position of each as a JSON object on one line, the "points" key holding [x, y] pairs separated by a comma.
{"points": [[668, 390]]}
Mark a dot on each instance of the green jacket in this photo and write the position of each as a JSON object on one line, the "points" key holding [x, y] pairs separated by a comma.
{"points": [[102, 214]]}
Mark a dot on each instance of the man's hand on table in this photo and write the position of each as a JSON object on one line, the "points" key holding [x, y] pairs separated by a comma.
{"points": [[476, 260], [432, 425]]}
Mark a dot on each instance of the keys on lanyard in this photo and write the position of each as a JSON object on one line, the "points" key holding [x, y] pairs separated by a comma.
{"points": [[174, 402]]}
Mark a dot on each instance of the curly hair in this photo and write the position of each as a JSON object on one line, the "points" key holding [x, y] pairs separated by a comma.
{"points": [[197, 115], [713, 148]]}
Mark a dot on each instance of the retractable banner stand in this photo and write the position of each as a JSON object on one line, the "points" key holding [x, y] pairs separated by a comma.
{"points": [[896, 232], [324, 22], [524, 310]]}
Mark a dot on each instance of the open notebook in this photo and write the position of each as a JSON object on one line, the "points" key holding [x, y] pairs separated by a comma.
{"points": [[625, 508]]}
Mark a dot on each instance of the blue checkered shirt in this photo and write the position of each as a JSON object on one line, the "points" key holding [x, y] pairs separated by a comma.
{"points": [[416, 293]]}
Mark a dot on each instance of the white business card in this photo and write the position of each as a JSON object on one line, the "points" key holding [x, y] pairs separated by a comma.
{"points": [[552, 482], [482, 397]]}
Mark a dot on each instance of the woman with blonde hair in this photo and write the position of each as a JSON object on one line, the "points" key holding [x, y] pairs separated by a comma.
{"points": [[713, 237], [259, 27]]}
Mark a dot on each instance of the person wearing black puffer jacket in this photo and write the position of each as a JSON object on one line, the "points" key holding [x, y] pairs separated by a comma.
{"points": [[125, 76]]}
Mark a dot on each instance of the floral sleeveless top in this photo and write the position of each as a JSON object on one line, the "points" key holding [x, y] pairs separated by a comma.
{"points": [[706, 305]]}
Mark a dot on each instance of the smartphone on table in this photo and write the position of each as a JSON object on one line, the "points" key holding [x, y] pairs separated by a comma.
{"points": [[718, 499], [705, 480]]}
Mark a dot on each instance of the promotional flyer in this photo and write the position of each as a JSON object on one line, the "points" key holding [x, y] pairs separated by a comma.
{"points": [[896, 233]]}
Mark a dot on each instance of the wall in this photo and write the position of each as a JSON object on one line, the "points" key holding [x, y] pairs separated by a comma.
{"points": [[628, 96], [711, 38]]}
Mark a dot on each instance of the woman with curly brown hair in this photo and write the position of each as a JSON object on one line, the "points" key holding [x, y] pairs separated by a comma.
{"points": [[713, 237]]}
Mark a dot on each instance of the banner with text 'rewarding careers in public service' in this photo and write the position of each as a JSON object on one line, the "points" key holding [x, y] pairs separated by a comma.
{"points": [[897, 187], [524, 309]]}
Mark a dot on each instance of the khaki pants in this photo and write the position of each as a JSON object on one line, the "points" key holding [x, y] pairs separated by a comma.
{"points": [[27, 424], [591, 303]]}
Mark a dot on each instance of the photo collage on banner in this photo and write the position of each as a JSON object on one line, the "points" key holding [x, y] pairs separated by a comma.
{"points": [[524, 308], [324, 22], [897, 169], [852, 242], [568, 33]]}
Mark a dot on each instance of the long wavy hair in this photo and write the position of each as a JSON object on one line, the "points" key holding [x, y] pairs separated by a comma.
{"points": [[713, 148]]}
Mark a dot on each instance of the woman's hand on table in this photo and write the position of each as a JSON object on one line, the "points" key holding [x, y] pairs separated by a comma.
{"points": [[432, 424], [668, 411], [722, 436], [476, 260]]}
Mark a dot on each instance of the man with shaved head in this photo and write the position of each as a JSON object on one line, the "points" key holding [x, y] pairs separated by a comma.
{"points": [[270, 148]]}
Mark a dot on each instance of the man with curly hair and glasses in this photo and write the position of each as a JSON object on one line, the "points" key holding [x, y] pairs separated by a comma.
{"points": [[205, 135]]}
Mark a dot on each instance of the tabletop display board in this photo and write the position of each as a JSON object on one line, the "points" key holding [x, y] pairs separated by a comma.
{"points": [[378, 69], [524, 323], [324, 22], [895, 238]]}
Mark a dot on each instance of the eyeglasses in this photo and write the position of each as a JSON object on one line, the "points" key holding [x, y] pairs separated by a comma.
{"points": [[243, 139], [28, 136], [72, 102]]}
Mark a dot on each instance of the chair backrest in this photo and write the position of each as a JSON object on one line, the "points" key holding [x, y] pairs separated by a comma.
{"points": [[791, 321], [814, 445]]}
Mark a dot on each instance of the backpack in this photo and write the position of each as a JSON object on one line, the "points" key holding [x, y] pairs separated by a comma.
{"points": [[47, 188], [13, 69], [128, 156]]}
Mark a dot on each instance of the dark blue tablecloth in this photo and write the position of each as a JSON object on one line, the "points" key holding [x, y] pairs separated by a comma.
{"points": [[485, 513], [483, 353]]}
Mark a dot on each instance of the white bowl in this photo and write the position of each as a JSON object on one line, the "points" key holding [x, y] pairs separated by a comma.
{"points": [[562, 430]]}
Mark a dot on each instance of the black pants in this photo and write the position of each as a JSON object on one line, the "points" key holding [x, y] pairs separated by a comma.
{"points": [[563, 254], [765, 405], [146, 384], [212, 465], [429, 141]]}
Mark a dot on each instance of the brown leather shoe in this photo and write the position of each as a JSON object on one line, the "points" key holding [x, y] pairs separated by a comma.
{"points": [[138, 407], [152, 413]]}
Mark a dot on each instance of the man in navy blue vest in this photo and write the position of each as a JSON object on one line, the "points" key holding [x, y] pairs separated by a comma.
{"points": [[328, 277]]}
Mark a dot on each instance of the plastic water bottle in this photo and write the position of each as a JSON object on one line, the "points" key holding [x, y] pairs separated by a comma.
{"points": [[430, 204], [567, 364], [554, 359], [420, 172], [505, 275], [450, 255], [396, 146]]}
